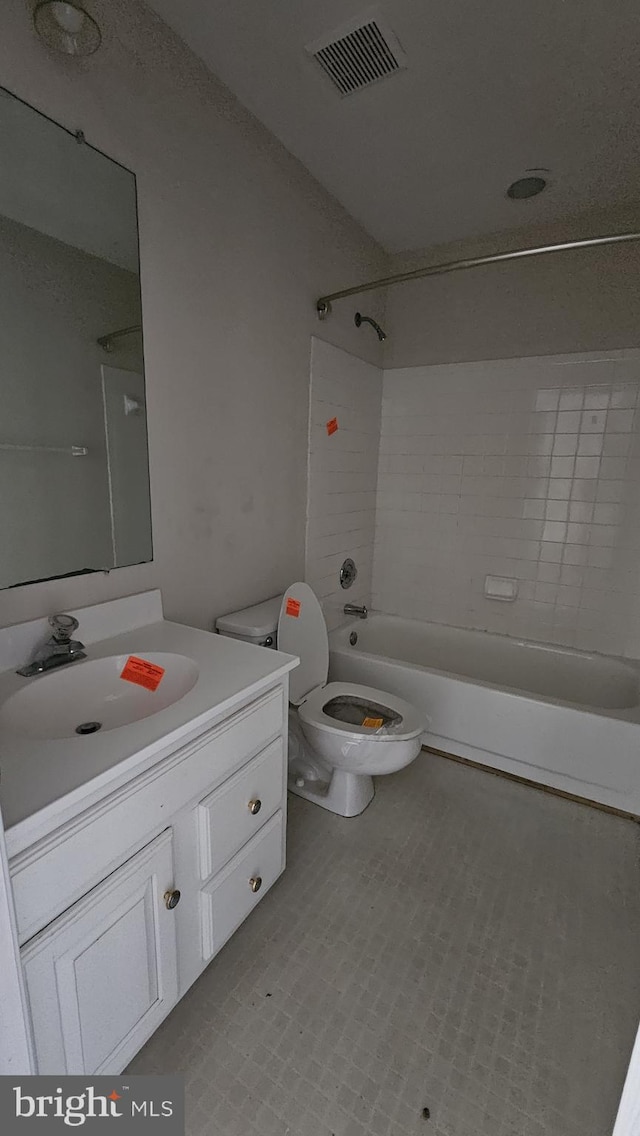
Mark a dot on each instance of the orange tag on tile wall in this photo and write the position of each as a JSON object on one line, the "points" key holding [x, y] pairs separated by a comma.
{"points": [[142, 672], [293, 608], [373, 723], [332, 426]]}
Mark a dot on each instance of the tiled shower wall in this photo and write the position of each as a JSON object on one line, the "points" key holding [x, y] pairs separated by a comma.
{"points": [[525, 468], [342, 474]]}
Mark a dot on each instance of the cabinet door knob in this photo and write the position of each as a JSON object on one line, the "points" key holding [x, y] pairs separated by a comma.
{"points": [[171, 899], [255, 805], [255, 883]]}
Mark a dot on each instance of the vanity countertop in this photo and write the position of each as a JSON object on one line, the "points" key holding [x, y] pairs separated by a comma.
{"points": [[45, 782]]}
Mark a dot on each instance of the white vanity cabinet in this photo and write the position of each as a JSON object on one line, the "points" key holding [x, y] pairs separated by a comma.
{"points": [[106, 949]]}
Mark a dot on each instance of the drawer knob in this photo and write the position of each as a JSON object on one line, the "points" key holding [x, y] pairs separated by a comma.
{"points": [[255, 883], [255, 805], [171, 899]]}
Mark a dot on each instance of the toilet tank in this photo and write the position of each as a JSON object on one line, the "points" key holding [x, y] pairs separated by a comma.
{"points": [[257, 624]]}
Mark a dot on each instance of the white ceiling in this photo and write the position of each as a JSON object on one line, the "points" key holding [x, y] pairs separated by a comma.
{"points": [[493, 87]]}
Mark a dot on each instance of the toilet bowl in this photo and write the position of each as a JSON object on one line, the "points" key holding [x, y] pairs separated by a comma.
{"points": [[342, 735]]}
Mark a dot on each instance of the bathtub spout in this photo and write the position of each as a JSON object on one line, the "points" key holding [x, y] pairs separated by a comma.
{"points": [[356, 609]]}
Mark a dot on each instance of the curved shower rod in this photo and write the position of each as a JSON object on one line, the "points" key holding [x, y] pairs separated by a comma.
{"points": [[323, 304], [106, 341]]}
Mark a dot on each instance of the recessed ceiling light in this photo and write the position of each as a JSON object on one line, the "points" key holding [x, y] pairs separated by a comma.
{"points": [[526, 187], [66, 27]]}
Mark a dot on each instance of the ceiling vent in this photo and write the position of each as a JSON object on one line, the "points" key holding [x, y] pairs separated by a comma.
{"points": [[359, 53]]}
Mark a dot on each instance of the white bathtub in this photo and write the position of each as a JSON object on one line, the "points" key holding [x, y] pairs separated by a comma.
{"points": [[560, 717]]}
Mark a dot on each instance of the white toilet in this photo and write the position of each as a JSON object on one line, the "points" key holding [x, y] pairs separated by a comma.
{"points": [[341, 734]]}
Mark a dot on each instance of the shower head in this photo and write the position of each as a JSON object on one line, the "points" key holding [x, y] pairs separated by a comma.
{"points": [[359, 320]]}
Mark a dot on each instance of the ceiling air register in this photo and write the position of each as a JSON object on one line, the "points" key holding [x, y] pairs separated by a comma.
{"points": [[359, 53]]}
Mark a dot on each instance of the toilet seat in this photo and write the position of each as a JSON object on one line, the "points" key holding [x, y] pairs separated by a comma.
{"points": [[312, 712], [302, 631]]}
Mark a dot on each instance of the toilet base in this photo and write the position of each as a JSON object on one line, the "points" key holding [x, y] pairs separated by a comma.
{"points": [[346, 794]]}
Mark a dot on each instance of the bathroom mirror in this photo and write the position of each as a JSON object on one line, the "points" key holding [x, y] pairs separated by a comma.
{"points": [[74, 475]]}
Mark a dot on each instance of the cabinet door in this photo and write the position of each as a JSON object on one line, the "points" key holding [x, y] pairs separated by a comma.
{"points": [[103, 975]]}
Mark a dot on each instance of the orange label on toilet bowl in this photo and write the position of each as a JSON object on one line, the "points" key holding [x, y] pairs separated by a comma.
{"points": [[293, 607], [142, 672], [373, 723]]}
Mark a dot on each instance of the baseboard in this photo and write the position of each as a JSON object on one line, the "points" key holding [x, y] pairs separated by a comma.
{"points": [[534, 784]]}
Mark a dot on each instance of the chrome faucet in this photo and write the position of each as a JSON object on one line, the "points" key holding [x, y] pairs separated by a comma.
{"points": [[356, 609], [59, 650]]}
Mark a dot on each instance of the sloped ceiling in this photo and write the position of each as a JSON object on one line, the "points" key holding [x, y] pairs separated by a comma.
{"points": [[491, 89]]}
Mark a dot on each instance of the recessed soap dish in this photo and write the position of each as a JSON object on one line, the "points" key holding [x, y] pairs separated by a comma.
{"points": [[500, 588]]}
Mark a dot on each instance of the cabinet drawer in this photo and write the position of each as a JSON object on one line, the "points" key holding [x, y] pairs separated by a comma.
{"points": [[228, 899], [51, 874], [232, 814]]}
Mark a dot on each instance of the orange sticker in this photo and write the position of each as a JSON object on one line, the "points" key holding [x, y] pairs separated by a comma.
{"points": [[293, 608], [332, 426], [373, 723], [142, 672]]}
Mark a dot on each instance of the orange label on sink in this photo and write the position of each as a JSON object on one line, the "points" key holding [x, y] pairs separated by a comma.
{"points": [[142, 672], [293, 607], [373, 723]]}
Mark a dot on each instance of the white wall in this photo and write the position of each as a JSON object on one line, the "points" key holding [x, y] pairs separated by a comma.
{"points": [[527, 468], [342, 475], [237, 240], [55, 301], [586, 300]]}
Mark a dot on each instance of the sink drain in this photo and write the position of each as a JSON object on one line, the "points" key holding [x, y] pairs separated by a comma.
{"points": [[88, 727]]}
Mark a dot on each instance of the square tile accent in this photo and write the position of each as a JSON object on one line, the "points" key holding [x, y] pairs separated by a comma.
{"points": [[468, 944]]}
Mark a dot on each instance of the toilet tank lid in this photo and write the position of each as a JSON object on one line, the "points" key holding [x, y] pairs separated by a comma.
{"points": [[255, 621]]}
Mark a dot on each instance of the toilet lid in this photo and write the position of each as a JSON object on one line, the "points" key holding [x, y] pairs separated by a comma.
{"points": [[302, 631]]}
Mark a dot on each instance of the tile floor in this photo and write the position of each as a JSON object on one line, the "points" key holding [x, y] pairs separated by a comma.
{"points": [[468, 944]]}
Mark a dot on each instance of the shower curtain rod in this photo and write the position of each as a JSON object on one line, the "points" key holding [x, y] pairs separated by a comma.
{"points": [[106, 341], [323, 305]]}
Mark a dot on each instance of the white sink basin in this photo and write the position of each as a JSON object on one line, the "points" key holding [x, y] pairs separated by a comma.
{"points": [[92, 695]]}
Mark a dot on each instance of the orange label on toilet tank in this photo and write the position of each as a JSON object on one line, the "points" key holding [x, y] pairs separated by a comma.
{"points": [[142, 672], [293, 608], [373, 723], [332, 426]]}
